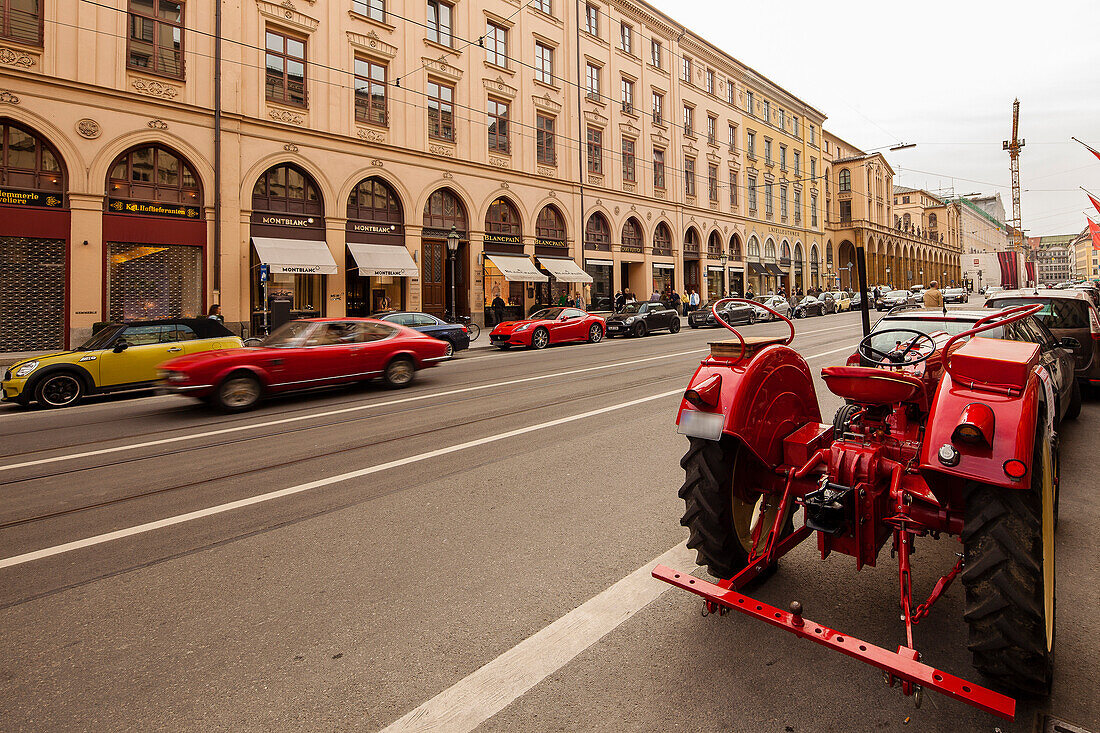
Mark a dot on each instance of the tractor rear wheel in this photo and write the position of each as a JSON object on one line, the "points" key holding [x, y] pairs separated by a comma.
{"points": [[842, 420], [720, 521], [1008, 539]]}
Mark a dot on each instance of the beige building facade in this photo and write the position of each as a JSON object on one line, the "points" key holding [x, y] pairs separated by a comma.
{"points": [[564, 147]]}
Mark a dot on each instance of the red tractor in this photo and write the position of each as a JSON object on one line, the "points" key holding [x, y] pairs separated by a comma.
{"points": [[939, 436]]}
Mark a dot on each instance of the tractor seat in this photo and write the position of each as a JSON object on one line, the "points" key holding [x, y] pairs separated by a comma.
{"points": [[730, 348], [870, 386]]}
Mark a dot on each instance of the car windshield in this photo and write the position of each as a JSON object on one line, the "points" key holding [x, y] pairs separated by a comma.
{"points": [[1056, 312], [101, 338], [808, 299], [631, 308], [924, 325], [549, 314], [765, 299], [288, 334], [954, 291]]}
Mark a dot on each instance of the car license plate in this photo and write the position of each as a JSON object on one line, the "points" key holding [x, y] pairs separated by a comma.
{"points": [[707, 425], [612, 328]]}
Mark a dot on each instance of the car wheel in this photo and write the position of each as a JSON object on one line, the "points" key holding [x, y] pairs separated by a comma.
{"points": [[675, 327], [450, 352], [60, 389], [238, 392], [693, 325], [400, 372], [595, 334], [797, 312], [540, 339], [1073, 410], [639, 330], [752, 317]]}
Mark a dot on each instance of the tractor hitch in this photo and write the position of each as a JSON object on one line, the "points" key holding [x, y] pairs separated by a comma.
{"points": [[903, 665], [829, 508]]}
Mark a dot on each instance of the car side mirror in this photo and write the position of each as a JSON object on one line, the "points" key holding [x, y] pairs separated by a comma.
{"points": [[120, 347], [1068, 342]]}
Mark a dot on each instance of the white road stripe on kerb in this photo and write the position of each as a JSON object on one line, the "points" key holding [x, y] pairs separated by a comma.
{"points": [[484, 693], [261, 498]]}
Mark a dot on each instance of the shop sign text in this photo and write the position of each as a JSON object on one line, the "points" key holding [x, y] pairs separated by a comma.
{"points": [[153, 209], [10, 197]]}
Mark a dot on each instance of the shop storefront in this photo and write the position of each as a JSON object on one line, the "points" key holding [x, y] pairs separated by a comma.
{"points": [[757, 278], [715, 285], [444, 288], [34, 233], [504, 298], [664, 277], [565, 272], [154, 237], [776, 277], [737, 280], [509, 274], [551, 242], [602, 294], [377, 263], [691, 275], [289, 256]]}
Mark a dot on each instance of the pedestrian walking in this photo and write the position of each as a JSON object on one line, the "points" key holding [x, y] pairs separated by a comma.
{"points": [[674, 301], [620, 300], [655, 297], [693, 300], [580, 301], [933, 298], [497, 307], [215, 313]]}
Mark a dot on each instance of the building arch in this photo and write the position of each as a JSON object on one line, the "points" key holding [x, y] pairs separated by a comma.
{"points": [[662, 237], [249, 179], [736, 252], [153, 172], [566, 216], [714, 243], [597, 232], [386, 178], [769, 250], [785, 251], [444, 209], [632, 237], [374, 199], [844, 180], [502, 218], [68, 154], [754, 248], [551, 225]]}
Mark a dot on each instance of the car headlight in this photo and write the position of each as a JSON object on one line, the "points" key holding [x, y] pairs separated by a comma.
{"points": [[629, 320], [25, 369], [524, 327]]}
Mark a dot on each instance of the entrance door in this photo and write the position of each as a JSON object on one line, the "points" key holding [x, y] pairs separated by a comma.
{"points": [[32, 294], [433, 289]]}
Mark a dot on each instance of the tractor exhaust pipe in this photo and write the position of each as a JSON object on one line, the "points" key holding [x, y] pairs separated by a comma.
{"points": [[861, 271]]}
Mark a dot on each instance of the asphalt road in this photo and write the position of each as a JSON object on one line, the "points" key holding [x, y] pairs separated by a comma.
{"points": [[471, 550]]}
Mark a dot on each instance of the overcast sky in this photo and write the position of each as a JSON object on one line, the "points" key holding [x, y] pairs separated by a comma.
{"points": [[942, 75]]}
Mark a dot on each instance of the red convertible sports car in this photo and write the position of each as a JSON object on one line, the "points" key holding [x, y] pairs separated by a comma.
{"points": [[549, 326], [314, 352]]}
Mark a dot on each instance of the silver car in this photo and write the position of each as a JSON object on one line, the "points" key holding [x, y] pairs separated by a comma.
{"points": [[777, 303]]}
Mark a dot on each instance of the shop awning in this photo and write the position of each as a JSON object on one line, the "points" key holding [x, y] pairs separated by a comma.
{"points": [[295, 256], [517, 269], [565, 271], [773, 269], [374, 260], [605, 263], [756, 268], [663, 266]]}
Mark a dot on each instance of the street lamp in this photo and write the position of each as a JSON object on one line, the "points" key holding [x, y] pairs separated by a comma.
{"points": [[452, 248], [849, 267], [723, 258], [887, 275]]}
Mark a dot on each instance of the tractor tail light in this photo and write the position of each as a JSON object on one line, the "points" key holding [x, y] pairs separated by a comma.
{"points": [[1015, 469], [705, 394], [975, 424]]}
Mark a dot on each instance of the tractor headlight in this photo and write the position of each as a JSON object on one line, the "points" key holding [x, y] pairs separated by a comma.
{"points": [[948, 455], [25, 369]]}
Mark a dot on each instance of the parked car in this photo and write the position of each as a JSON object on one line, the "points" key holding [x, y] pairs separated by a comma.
{"points": [[549, 326], [810, 306], [955, 295], [1067, 313], [777, 303], [302, 354], [732, 313], [895, 298], [118, 357], [992, 290], [843, 300], [1092, 290], [455, 334], [638, 319], [1055, 354]]}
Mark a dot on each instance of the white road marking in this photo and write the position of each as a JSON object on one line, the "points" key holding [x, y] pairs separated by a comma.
{"points": [[320, 483], [484, 693]]}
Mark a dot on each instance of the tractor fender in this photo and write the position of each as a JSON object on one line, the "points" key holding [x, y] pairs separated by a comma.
{"points": [[763, 399], [1015, 417]]}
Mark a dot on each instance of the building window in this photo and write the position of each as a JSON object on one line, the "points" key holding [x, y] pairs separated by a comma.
{"points": [[689, 177], [731, 92], [628, 159], [733, 189], [783, 201], [750, 146], [626, 38], [441, 111], [813, 139], [845, 180], [543, 5], [595, 150], [662, 239], [26, 161], [370, 91], [685, 68], [798, 162], [496, 44], [845, 211], [658, 108], [710, 81], [655, 53], [544, 64], [439, 23], [794, 126], [767, 151], [374, 200], [286, 69], [782, 117], [733, 136], [689, 120], [783, 157], [21, 20], [286, 188], [750, 186], [597, 234], [658, 169], [498, 127], [769, 206], [712, 130], [813, 167], [550, 225], [749, 104], [592, 19], [767, 110], [632, 236], [712, 182], [152, 174], [545, 143], [797, 205], [627, 89], [373, 9], [592, 82], [156, 33]]}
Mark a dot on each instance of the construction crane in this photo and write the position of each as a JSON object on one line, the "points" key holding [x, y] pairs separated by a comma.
{"points": [[1013, 147]]}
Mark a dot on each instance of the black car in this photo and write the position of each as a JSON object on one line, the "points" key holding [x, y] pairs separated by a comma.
{"points": [[732, 313], [454, 334], [811, 306], [638, 319]]}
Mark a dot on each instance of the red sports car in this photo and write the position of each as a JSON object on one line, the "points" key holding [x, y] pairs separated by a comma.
{"points": [[314, 352], [549, 326]]}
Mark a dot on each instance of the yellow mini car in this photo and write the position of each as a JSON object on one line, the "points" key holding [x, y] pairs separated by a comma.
{"points": [[118, 357], [843, 301]]}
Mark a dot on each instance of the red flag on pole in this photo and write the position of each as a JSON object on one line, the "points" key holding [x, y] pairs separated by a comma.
{"points": [[1093, 200], [1092, 150], [1094, 230]]}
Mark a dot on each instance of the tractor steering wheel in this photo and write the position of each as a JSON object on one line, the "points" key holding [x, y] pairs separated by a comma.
{"points": [[896, 358]]}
